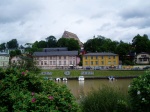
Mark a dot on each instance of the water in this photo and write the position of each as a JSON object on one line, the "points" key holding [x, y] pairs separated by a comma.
{"points": [[79, 87]]}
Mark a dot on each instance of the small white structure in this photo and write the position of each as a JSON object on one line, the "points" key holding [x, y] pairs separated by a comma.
{"points": [[64, 79], [58, 79], [81, 78], [111, 78]]}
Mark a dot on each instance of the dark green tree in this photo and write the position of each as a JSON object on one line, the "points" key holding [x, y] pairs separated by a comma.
{"points": [[100, 44], [51, 41], [123, 50], [2, 46], [12, 44], [42, 44], [140, 43], [15, 53], [70, 43]]}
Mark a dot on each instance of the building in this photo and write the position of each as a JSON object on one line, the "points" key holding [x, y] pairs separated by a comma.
{"points": [[22, 50], [4, 59], [56, 58], [16, 60], [67, 34], [101, 60], [142, 58]]}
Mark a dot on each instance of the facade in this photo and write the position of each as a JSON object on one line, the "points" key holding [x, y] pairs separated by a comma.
{"points": [[142, 58], [56, 58], [101, 60], [16, 60], [4, 59]]}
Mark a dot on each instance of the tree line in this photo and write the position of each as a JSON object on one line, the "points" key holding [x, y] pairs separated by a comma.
{"points": [[126, 51]]}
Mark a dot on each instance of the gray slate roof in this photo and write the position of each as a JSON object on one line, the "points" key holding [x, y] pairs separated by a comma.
{"points": [[56, 53], [4, 54], [55, 49], [101, 54]]}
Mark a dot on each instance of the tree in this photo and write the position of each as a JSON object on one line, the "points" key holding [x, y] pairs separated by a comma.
{"points": [[51, 41], [26, 91], [139, 93], [122, 50], [12, 44], [100, 44], [15, 53], [2, 46], [140, 43], [70, 43], [42, 44]]}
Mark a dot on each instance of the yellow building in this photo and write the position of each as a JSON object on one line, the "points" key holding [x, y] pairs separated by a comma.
{"points": [[102, 60]]}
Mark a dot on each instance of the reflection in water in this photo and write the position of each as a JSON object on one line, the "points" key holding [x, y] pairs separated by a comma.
{"points": [[78, 88]]}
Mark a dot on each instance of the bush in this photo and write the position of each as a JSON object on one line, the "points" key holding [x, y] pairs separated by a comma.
{"points": [[105, 99], [24, 91], [139, 92]]}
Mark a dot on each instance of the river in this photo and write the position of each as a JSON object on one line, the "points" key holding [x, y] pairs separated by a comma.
{"points": [[83, 87]]}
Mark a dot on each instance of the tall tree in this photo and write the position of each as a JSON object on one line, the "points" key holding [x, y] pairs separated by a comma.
{"points": [[122, 50], [100, 44], [2, 46], [42, 44], [12, 44], [70, 43], [51, 41], [140, 43]]}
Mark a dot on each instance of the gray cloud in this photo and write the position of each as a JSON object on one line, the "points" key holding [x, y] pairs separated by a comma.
{"points": [[31, 20]]}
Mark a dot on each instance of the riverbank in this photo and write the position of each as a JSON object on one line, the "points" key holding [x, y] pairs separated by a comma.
{"points": [[92, 74]]}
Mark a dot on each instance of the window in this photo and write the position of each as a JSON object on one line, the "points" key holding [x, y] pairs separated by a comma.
{"points": [[96, 57], [54, 63], [109, 57], [109, 62], [50, 57], [41, 62], [114, 57], [145, 59], [143, 56], [86, 63], [64, 62], [45, 58], [114, 62], [59, 62], [59, 57], [96, 62], [50, 62], [102, 57], [91, 57], [70, 62], [64, 57], [91, 62], [45, 62], [102, 62], [86, 57]]}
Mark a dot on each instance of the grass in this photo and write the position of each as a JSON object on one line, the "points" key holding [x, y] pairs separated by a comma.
{"points": [[97, 73], [105, 99]]}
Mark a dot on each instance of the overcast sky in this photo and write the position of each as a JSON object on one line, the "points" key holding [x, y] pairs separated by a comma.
{"points": [[34, 20]]}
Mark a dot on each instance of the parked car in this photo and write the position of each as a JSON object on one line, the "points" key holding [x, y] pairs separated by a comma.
{"points": [[146, 68], [88, 68], [136, 68]]}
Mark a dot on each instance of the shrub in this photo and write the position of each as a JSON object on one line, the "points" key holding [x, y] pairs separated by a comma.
{"points": [[139, 92], [105, 99], [24, 91]]}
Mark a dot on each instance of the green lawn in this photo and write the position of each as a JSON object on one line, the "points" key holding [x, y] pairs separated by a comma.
{"points": [[96, 73]]}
